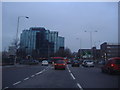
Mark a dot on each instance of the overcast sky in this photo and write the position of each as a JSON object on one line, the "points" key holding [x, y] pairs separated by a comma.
{"points": [[70, 19]]}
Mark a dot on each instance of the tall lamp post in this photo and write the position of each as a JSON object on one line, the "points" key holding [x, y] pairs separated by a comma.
{"points": [[17, 38], [80, 45], [91, 38]]}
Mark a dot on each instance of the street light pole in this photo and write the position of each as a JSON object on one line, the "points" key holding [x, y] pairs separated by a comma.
{"points": [[91, 38], [17, 38], [18, 26], [80, 45]]}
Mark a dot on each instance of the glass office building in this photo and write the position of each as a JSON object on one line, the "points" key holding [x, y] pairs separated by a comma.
{"points": [[40, 40], [60, 42]]}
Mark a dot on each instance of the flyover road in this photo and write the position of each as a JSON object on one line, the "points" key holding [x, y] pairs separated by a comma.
{"points": [[79, 78]]}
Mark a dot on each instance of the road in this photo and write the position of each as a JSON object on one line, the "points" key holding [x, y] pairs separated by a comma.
{"points": [[46, 77]]}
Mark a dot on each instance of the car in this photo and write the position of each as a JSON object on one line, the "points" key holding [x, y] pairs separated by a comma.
{"points": [[33, 62], [25, 62], [102, 62], [75, 63], [68, 62], [29, 62], [88, 63], [49, 61], [44, 63], [60, 64], [112, 66]]}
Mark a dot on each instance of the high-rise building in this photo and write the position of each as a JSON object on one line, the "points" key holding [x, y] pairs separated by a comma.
{"points": [[60, 42], [52, 36], [28, 40], [39, 41]]}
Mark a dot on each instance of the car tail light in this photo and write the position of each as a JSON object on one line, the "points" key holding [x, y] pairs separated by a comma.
{"points": [[112, 65], [63, 64], [55, 64]]}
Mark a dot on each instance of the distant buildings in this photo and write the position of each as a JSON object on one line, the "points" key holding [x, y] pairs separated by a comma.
{"points": [[39, 41], [107, 50], [110, 50], [12, 50], [90, 53]]}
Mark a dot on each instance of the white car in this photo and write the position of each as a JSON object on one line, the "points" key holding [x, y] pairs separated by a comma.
{"points": [[44, 63], [88, 63]]}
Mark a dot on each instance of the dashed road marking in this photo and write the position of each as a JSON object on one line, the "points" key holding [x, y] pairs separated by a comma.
{"points": [[69, 71], [79, 86], [17, 83], [38, 73], [72, 75], [32, 75], [5, 88], [26, 78], [74, 78]]}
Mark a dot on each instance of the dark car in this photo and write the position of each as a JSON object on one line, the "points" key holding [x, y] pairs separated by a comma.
{"points": [[112, 66], [60, 64], [75, 63], [33, 62], [29, 62], [102, 62], [26, 62]]}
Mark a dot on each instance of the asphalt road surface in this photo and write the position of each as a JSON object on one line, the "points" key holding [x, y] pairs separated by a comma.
{"points": [[37, 76]]}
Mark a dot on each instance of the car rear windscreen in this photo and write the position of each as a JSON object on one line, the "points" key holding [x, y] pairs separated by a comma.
{"points": [[60, 62]]}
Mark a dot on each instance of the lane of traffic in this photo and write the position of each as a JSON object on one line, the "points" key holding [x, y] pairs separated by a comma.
{"points": [[15, 74], [93, 78], [51, 78]]}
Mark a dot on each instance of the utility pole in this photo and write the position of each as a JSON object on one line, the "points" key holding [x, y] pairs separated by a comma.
{"points": [[91, 40], [17, 38]]}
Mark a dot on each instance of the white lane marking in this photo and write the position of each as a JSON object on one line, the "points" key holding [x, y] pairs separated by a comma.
{"points": [[26, 78], [72, 75], [79, 86], [5, 88], [69, 71], [38, 73], [32, 75], [17, 83]]}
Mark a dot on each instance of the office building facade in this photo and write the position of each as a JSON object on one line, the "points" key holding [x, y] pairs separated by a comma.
{"points": [[110, 50], [61, 41], [39, 41]]}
